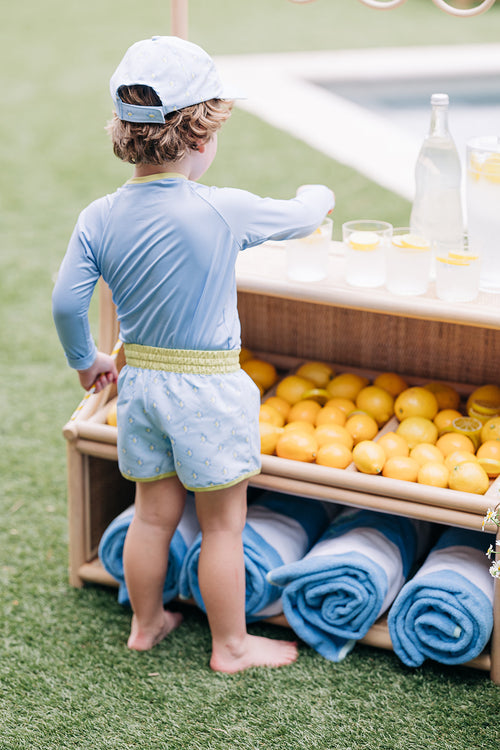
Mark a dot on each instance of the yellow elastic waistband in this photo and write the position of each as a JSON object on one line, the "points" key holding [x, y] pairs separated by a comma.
{"points": [[182, 360]]}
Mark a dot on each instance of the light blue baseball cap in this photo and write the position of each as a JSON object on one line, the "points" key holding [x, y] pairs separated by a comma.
{"points": [[180, 72]]}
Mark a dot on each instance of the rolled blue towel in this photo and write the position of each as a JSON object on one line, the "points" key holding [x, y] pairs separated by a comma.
{"points": [[350, 577], [112, 541], [279, 528], [445, 612]]}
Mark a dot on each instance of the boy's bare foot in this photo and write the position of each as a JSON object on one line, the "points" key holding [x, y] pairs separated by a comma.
{"points": [[255, 651], [142, 639]]}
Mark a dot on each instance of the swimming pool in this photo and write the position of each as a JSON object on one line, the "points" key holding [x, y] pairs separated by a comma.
{"points": [[343, 102]]}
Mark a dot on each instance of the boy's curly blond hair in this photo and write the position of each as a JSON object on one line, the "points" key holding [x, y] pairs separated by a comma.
{"points": [[157, 143]]}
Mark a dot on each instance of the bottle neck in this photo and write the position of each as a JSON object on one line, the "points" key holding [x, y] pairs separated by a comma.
{"points": [[439, 121]]}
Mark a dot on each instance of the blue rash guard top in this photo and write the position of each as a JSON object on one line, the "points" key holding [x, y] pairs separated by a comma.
{"points": [[167, 248]]}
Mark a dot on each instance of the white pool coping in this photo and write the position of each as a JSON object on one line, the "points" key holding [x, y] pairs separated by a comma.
{"points": [[279, 91]]}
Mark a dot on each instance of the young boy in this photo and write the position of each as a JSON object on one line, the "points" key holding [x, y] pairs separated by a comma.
{"points": [[187, 413]]}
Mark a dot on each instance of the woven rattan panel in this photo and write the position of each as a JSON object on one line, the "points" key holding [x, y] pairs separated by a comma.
{"points": [[430, 349]]}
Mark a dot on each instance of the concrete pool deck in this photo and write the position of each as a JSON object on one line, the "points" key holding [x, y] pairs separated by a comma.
{"points": [[281, 91]]}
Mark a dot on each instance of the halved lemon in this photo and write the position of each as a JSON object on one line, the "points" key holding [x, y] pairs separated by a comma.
{"points": [[468, 426]]}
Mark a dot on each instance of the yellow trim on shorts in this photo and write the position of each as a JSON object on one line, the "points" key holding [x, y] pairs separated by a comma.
{"points": [[182, 360], [156, 478], [224, 486]]}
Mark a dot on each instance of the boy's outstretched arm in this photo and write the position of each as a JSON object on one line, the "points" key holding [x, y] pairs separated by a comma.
{"points": [[101, 373]]}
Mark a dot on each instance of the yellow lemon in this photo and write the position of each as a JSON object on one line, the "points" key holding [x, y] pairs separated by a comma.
{"points": [[491, 430], [347, 385], [454, 441], [345, 404], [245, 355], [377, 402], [433, 473], [468, 426], [297, 445], [416, 402], [270, 414], [333, 433], [111, 415], [292, 387], [262, 373], [469, 476], [299, 426], [330, 414], [391, 382], [444, 418], [393, 445], [489, 394], [282, 406], [336, 455], [319, 372], [361, 426], [320, 395], [447, 397], [417, 430], [368, 457], [458, 457], [401, 467], [488, 455], [304, 410], [425, 452], [269, 434]]}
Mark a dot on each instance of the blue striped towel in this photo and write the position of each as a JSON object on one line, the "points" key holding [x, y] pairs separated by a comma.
{"points": [[350, 577], [445, 612], [279, 528], [112, 541]]}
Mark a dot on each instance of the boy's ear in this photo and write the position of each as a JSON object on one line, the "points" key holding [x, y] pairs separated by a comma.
{"points": [[201, 147]]}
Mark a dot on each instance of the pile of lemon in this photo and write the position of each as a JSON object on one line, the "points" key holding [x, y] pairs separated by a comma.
{"points": [[335, 420]]}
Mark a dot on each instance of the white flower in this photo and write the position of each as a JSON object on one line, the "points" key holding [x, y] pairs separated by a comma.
{"points": [[495, 569]]}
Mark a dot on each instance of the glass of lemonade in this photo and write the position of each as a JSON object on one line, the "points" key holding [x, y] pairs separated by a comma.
{"points": [[458, 274], [483, 207], [409, 260], [365, 244], [307, 258]]}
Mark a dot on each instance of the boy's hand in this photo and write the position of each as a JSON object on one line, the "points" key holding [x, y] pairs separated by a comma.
{"points": [[101, 373], [306, 187]]}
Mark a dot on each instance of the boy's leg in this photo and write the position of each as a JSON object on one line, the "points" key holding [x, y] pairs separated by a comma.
{"points": [[158, 509], [221, 576]]}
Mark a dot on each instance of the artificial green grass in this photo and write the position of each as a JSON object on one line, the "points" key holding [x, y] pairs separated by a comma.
{"points": [[66, 677]]}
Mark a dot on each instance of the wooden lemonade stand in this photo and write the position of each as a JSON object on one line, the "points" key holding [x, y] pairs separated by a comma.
{"points": [[367, 331]]}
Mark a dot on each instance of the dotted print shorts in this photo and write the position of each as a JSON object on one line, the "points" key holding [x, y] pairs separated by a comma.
{"points": [[204, 428]]}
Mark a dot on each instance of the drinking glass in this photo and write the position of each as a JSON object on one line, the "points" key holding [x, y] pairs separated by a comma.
{"points": [[409, 260], [365, 243], [483, 207], [458, 275], [307, 258]]}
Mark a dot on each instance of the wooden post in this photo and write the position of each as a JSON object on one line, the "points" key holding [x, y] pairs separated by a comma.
{"points": [[179, 18]]}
